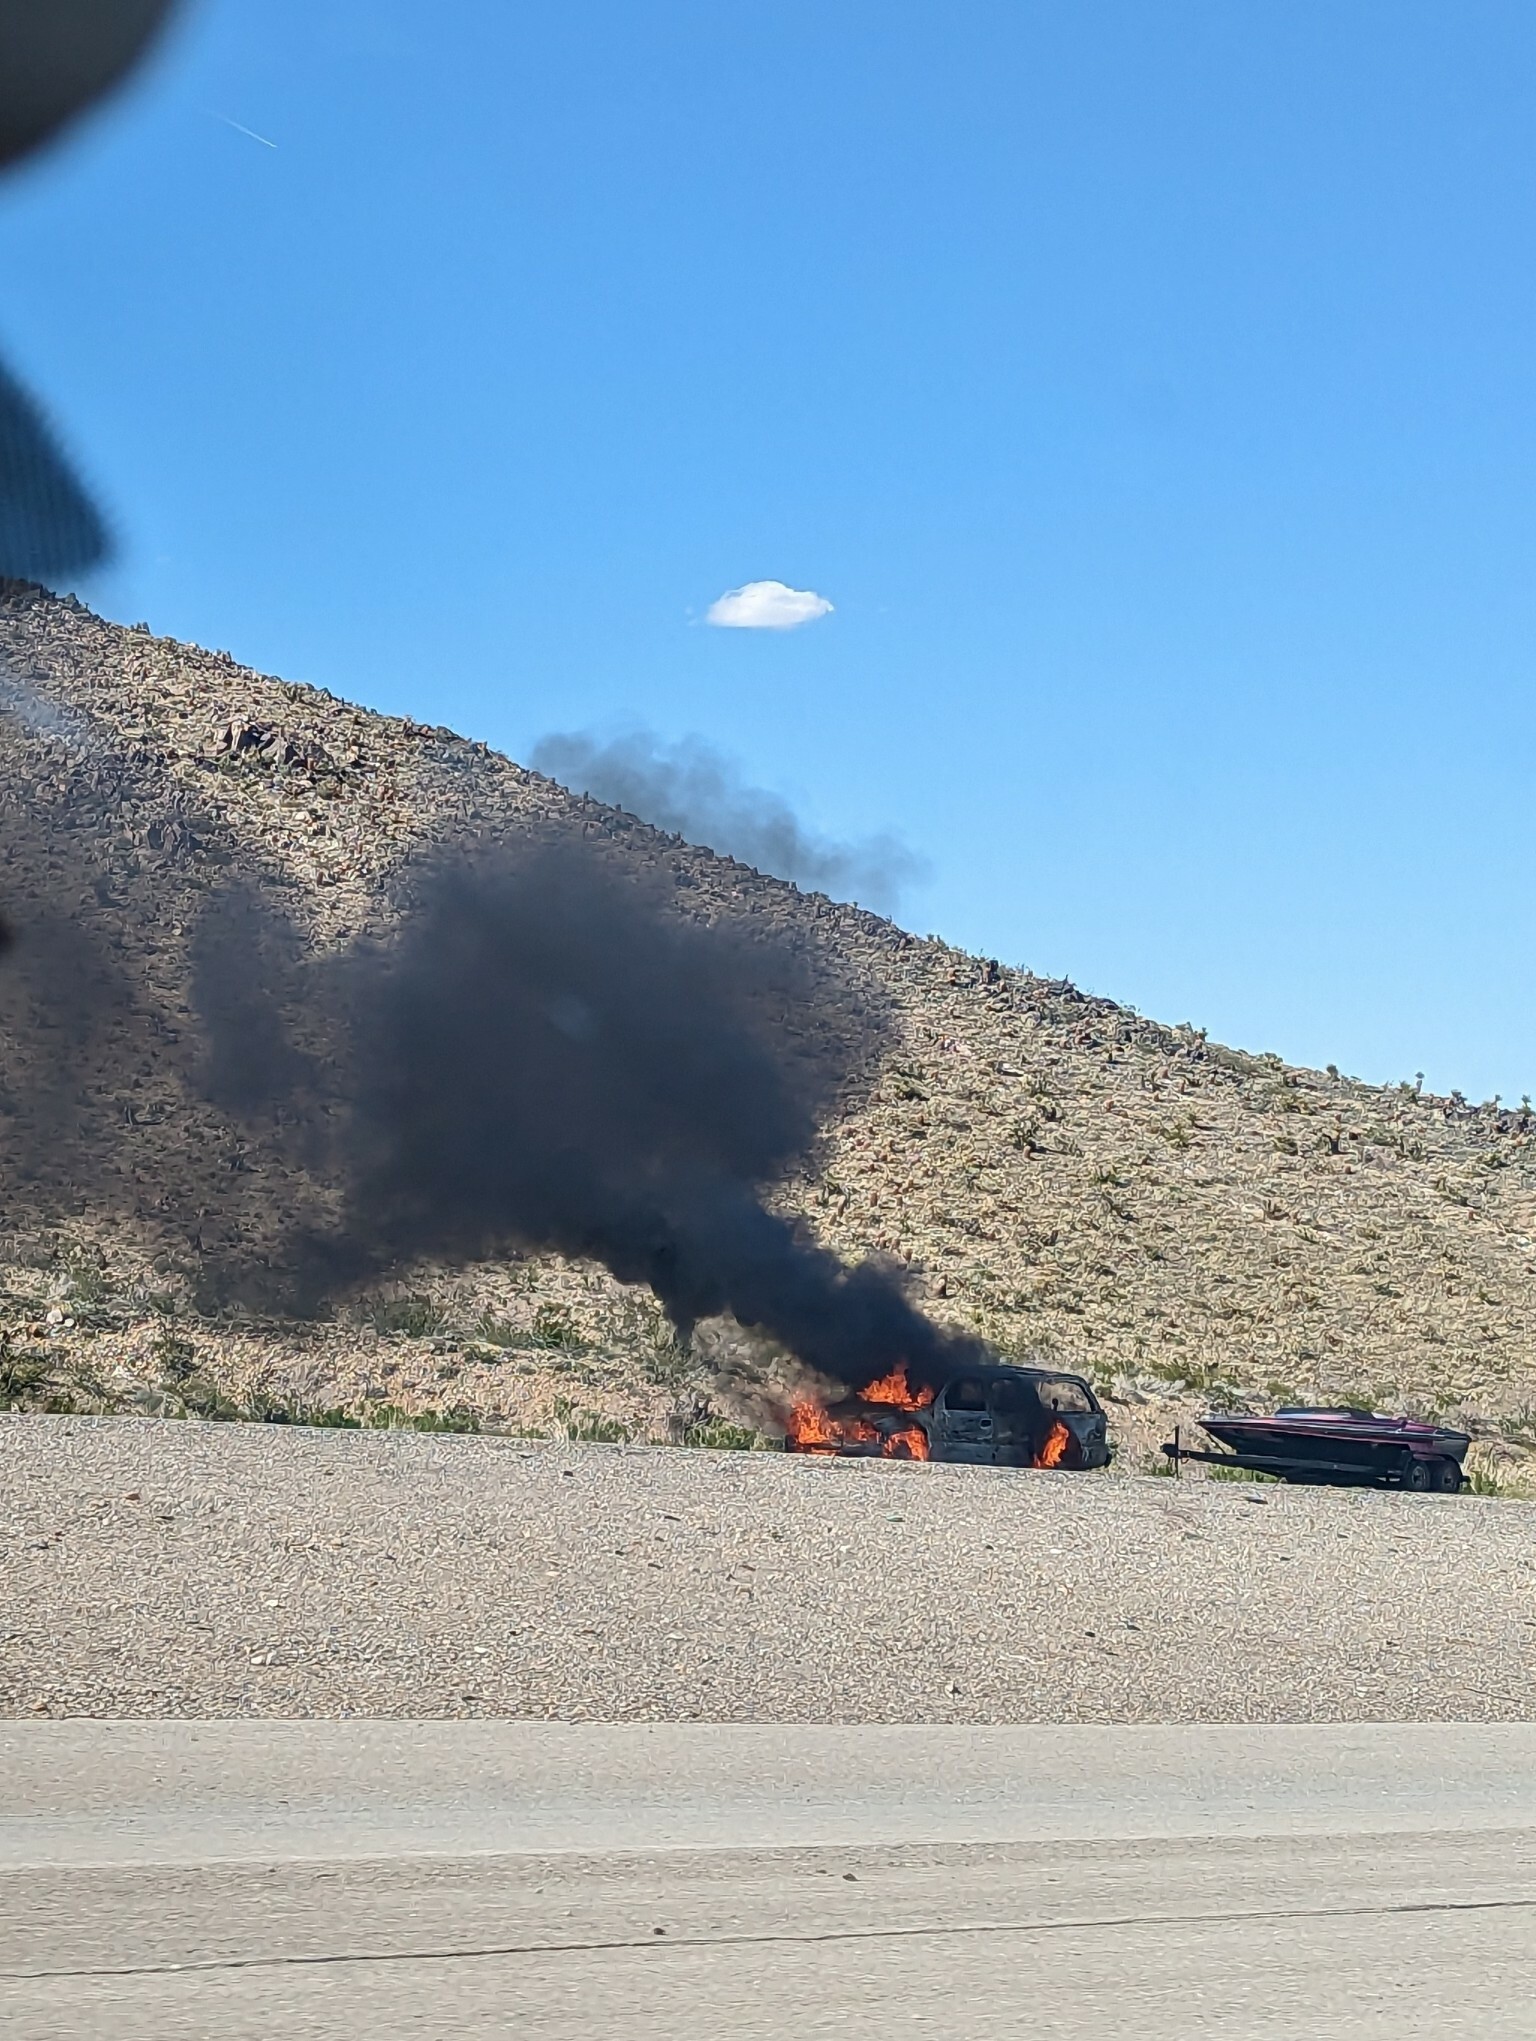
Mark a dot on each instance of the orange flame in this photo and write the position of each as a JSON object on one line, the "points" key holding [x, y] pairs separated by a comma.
{"points": [[1054, 1451], [895, 1388], [812, 1428], [911, 1443]]}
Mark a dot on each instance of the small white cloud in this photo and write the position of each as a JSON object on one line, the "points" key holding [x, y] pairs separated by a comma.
{"points": [[767, 606]]}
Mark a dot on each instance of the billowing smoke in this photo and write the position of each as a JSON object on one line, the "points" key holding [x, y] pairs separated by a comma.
{"points": [[548, 1055], [692, 790], [544, 1056]]}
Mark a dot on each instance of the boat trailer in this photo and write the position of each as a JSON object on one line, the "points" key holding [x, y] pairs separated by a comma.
{"points": [[1340, 1448]]}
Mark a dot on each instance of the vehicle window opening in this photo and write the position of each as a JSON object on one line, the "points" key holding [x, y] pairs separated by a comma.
{"points": [[1061, 1393], [967, 1394]]}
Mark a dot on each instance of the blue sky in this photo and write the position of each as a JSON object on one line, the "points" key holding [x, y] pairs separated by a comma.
{"points": [[1149, 388]]}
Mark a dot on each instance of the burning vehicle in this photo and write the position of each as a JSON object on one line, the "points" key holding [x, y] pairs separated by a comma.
{"points": [[1345, 1448], [989, 1415]]}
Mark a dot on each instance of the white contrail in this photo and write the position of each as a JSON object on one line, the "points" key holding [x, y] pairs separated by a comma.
{"points": [[239, 130]]}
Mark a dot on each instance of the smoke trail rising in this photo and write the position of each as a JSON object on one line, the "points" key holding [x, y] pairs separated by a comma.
{"points": [[695, 791], [549, 1055]]}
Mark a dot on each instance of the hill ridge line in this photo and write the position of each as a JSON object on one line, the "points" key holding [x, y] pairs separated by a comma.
{"points": [[1050, 1168]]}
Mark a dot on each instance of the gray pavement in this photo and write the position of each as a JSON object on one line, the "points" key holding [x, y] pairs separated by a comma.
{"points": [[693, 1882]]}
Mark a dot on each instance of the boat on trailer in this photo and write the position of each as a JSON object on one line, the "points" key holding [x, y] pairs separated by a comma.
{"points": [[1353, 1448]]}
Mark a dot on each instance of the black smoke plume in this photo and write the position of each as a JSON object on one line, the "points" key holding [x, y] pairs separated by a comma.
{"points": [[692, 790], [548, 1055]]}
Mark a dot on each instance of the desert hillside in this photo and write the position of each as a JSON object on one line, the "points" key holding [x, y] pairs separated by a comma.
{"points": [[1050, 1170]]}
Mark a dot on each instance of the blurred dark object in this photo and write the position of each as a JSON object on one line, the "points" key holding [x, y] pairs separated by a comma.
{"points": [[49, 527], [57, 57]]}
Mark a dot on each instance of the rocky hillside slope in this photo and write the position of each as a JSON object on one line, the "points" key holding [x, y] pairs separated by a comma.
{"points": [[1055, 1171]]}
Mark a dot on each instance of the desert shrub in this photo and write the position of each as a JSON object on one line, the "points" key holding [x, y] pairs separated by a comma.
{"points": [[553, 1331], [389, 1417], [175, 1357], [201, 1396], [22, 1376], [499, 1332], [716, 1435], [590, 1427], [263, 1407], [416, 1317]]}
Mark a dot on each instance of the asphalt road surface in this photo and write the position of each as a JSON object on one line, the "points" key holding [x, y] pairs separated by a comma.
{"points": [[690, 1882]]}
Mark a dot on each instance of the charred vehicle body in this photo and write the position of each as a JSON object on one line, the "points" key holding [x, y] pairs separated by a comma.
{"points": [[990, 1416], [1349, 1448]]}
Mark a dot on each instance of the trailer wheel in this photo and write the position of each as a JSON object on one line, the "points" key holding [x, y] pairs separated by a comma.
{"points": [[1446, 1477], [1417, 1476]]}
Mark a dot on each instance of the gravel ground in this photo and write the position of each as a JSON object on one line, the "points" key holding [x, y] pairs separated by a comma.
{"points": [[155, 1569]]}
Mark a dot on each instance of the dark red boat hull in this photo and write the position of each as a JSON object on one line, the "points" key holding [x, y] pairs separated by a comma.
{"points": [[1344, 1446]]}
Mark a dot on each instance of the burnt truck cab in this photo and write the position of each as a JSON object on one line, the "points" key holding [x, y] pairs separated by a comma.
{"points": [[1017, 1417]]}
